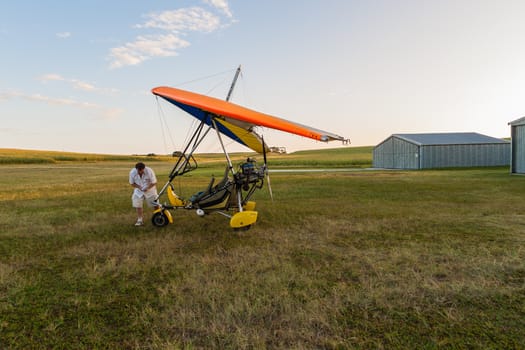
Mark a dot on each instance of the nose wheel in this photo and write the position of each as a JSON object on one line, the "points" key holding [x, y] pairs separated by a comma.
{"points": [[160, 219]]}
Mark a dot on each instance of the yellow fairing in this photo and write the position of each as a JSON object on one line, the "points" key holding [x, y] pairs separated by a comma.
{"points": [[243, 219], [250, 205], [166, 212], [174, 199], [168, 215]]}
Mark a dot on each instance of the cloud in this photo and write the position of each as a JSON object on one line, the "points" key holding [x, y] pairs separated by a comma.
{"points": [[7, 130], [82, 85], [77, 84], [112, 113], [8, 95], [187, 19], [58, 101], [144, 48], [51, 76], [171, 26], [63, 35], [106, 113], [222, 5]]}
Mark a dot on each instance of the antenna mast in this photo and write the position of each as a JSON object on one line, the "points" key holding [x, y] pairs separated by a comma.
{"points": [[233, 82]]}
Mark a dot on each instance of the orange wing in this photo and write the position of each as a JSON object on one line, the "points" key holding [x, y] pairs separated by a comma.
{"points": [[244, 119]]}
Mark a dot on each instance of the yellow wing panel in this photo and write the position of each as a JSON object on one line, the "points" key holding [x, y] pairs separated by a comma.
{"points": [[249, 138]]}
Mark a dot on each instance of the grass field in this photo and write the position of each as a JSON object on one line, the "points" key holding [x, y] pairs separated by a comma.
{"points": [[360, 259]]}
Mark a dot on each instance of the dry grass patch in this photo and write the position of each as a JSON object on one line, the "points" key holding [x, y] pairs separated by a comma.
{"points": [[365, 259]]}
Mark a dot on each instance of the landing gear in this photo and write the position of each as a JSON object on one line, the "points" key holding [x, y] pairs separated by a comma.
{"points": [[160, 219], [243, 220]]}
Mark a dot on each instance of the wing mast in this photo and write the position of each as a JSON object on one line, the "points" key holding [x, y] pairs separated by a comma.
{"points": [[236, 76], [233, 83]]}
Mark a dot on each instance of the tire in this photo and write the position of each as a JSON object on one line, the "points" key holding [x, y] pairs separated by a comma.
{"points": [[159, 219]]}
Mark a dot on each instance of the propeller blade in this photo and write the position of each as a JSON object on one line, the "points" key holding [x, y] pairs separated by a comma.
{"points": [[264, 150], [266, 168], [269, 185]]}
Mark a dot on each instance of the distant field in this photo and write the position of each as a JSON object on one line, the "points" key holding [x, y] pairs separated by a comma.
{"points": [[16, 156], [340, 260], [347, 157], [337, 157]]}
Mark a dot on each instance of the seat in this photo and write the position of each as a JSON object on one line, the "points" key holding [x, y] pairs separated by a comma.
{"points": [[212, 194]]}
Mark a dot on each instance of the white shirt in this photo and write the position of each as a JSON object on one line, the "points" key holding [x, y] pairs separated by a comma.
{"points": [[144, 181]]}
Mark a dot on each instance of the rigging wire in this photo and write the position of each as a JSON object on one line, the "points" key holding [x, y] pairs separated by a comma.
{"points": [[204, 78], [160, 113], [216, 86], [164, 126], [190, 131], [163, 119]]}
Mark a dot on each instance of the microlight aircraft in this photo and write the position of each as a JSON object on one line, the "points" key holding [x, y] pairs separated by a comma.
{"points": [[231, 195]]}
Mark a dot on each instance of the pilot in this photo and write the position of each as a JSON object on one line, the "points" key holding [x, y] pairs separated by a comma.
{"points": [[144, 182]]}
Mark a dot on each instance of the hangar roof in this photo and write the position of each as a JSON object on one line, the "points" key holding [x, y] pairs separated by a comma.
{"points": [[520, 121], [455, 138]]}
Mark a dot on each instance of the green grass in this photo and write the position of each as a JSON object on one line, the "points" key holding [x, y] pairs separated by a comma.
{"points": [[350, 157], [17, 156], [338, 157], [356, 259]]}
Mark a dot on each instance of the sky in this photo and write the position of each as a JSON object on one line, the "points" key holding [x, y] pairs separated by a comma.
{"points": [[77, 76]]}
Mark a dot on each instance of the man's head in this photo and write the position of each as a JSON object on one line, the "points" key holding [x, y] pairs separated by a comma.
{"points": [[140, 167]]}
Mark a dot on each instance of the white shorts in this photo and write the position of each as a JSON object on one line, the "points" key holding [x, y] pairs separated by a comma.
{"points": [[138, 200]]}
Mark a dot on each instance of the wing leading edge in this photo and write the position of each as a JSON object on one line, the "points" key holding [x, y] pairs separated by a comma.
{"points": [[235, 121]]}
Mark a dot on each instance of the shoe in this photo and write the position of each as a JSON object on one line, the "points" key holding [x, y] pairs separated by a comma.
{"points": [[139, 222]]}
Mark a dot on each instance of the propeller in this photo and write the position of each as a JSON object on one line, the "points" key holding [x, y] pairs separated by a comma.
{"points": [[266, 169]]}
